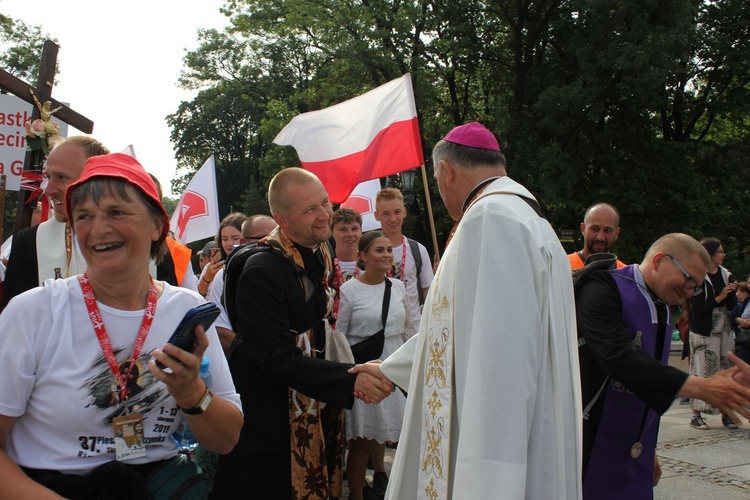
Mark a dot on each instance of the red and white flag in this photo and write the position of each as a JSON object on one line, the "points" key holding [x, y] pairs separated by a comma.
{"points": [[362, 201], [197, 214], [373, 135]]}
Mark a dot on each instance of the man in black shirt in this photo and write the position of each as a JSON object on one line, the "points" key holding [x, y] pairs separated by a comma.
{"points": [[283, 294]]}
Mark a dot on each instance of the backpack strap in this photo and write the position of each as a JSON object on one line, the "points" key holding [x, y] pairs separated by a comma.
{"points": [[414, 246], [594, 262]]}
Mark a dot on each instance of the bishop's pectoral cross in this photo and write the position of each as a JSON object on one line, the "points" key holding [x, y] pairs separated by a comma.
{"points": [[43, 92]]}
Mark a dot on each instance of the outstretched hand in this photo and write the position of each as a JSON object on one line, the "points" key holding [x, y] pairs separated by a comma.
{"points": [[728, 390], [371, 385]]}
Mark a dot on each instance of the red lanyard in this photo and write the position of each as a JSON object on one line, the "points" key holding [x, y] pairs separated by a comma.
{"points": [[101, 332]]}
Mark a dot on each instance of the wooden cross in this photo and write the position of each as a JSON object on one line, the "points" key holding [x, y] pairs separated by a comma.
{"points": [[43, 91]]}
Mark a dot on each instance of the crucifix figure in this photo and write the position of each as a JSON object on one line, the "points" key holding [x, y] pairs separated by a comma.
{"points": [[45, 110], [41, 98]]}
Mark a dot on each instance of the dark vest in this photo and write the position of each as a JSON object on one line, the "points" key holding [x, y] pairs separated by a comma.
{"points": [[612, 472]]}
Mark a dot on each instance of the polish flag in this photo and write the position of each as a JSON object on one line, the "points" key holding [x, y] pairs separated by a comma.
{"points": [[197, 214], [362, 201], [371, 136]]}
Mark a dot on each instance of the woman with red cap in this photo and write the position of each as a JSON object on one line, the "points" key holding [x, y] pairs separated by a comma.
{"points": [[69, 426]]}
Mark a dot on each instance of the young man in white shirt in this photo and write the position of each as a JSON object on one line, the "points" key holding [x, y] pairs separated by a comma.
{"points": [[391, 212]]}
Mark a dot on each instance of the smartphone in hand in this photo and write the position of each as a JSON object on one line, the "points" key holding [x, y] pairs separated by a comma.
{"points": [[184, 335]]}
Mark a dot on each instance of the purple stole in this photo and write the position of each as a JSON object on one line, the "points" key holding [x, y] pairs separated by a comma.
{"points": [[612, 471]]}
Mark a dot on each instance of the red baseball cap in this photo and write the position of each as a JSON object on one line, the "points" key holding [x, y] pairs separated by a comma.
{"points": [[119, 166]]}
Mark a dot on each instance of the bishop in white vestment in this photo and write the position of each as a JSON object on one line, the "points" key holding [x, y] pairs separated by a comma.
{"points": [[494, 405]]}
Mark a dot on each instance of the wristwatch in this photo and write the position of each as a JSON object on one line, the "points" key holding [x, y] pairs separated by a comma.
{"points": [[208, 396]]}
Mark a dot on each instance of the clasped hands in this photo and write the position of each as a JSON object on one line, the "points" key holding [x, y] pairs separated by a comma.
{"points": [[371, 385]]}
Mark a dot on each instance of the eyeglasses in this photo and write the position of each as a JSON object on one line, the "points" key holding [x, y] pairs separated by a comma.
{"points": [[690, 285]]}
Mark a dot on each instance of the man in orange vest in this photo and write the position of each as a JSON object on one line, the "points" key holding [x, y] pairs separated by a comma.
{"points": [[600, 229]]}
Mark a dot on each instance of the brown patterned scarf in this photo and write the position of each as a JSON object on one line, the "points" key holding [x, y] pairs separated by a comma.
{"points": [[316, 435]]}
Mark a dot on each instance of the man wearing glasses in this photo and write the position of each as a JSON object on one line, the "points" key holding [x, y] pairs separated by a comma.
{"points": [[625, 328]]}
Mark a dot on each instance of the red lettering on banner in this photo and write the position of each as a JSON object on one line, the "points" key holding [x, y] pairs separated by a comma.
{"points": [[14, 119], [16, 168], [13, 140]]}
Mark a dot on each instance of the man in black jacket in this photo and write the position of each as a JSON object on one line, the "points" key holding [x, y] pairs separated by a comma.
{"points": [[283, 294]]}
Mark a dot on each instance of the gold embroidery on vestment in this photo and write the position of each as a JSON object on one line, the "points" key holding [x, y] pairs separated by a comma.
{"points": [[432, 462]]}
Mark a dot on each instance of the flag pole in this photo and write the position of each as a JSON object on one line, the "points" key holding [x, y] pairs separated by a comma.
{"points": [[428, 201]]}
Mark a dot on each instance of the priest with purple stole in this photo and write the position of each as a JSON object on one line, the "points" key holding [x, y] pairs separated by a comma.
{"points": [[625, 330]]}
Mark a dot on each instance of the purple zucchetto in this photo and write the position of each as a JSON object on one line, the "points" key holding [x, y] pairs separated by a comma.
{"points": [[473, 135]]}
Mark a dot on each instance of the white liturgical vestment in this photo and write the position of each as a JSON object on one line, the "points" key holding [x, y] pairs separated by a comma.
{"points": [[494, 405], [52, 254]]}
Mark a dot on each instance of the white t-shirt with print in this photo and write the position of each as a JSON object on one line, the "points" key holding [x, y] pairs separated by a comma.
{"points": [[214, 294], [410, 279], [58, 386]]}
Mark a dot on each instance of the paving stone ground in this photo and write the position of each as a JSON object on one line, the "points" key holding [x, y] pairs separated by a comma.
{"points": [[712, 464]]}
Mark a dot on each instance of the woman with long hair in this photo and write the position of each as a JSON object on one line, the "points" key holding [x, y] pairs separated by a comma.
{"points": [[711, 334], [228, 237]]}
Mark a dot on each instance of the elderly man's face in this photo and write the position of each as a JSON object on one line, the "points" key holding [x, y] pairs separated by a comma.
{"points": [[445, 177], [64, 166]]}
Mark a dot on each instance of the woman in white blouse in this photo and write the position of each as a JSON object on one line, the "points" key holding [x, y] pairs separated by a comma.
{"points": [[368, 427]]}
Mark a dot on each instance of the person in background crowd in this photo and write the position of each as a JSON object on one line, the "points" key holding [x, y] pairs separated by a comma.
{"points": [[227, 239], [204, 256], [346, 226], [711, 336], [369, 427], [600, 229], [742, 347], [174, 258], [49, 249], [407, 253]]}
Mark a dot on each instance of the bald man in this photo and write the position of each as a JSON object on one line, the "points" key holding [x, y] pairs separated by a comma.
{"points": [[283, 296], [600, 229]]}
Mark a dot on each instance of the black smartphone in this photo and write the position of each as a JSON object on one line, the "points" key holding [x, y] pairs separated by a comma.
{"points": [[184, 335]]}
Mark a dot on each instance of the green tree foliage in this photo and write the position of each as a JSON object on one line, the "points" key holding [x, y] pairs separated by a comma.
{"points": [[21, 48], [642, 104]]}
